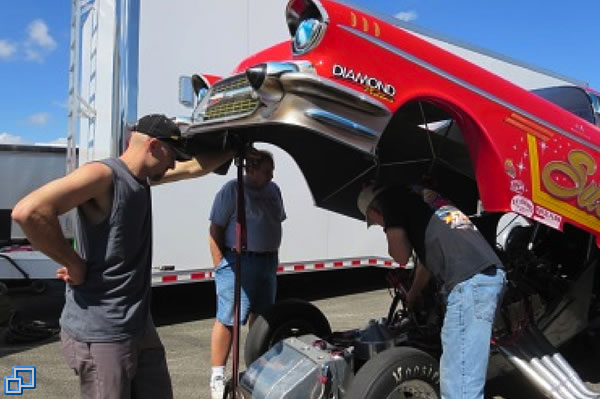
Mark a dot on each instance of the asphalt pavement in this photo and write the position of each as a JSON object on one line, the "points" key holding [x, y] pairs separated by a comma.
{"points": [[184, 316]]}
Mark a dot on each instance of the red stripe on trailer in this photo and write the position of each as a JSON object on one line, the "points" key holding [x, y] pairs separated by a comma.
{"points": [[208, 274]]}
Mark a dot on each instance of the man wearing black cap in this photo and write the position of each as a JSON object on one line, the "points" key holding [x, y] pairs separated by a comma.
{"points": [[165, 130], [108, 336]]}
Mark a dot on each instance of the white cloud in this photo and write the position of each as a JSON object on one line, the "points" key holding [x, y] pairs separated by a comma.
{"points": [[39, 41], [38, 44], [38, 34], [39, 119], [7, 138], [407, 16], [7, 49], [33, 55], [59, 142]]}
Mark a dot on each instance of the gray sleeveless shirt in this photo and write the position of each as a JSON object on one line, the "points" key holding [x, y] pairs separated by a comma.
{"points": [[114, 301]]}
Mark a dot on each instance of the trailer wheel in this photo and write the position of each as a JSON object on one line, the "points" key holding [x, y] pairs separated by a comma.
{"points": [[287, 318], [399, 372]]}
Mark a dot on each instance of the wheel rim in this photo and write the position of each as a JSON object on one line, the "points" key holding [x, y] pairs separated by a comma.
{"points": [[413, 389]]}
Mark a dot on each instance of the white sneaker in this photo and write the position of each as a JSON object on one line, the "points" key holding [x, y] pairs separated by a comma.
{"points": [[217, 386]]}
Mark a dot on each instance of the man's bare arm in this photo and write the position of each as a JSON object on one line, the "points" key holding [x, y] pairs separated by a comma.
{"points": [[196, 167], [216, 242], [422, 277], [399, 248], [38, 212]]}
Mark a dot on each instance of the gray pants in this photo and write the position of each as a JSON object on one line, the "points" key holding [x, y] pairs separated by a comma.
{"points": [[128, 369]]}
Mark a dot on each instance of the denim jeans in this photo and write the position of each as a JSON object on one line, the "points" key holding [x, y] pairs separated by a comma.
{"points": [[259, 286], [466, 333]]}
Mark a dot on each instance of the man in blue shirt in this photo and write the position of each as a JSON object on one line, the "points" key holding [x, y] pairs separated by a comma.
{"points": [[264, 214]]}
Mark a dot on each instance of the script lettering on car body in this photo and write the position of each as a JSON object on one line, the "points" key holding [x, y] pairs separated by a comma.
{"points": [[575, 184]]}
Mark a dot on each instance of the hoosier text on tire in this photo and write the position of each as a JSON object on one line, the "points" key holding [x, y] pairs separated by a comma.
{"points": [[397, 373]]}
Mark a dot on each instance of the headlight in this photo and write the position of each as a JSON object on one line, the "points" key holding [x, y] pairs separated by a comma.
{"points": [[307, 34]]}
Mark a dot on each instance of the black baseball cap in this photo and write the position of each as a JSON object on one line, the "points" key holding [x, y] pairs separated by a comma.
{"points": [[164, 129]]}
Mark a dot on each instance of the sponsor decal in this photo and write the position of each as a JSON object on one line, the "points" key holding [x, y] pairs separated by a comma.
{"points": [[517, 186], [547, 217], [509, 168], [572, 180], [372, 85], [522, 205]]}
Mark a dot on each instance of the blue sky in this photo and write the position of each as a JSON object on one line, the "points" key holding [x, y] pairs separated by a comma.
{"points": [[34, 58], [34, 38]]}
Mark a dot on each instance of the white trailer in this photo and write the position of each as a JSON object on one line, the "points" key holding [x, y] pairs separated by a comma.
{"points": [[23, 168], [126, 59]]}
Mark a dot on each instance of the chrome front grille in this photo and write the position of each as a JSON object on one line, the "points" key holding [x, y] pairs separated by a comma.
{"points": [[231, 97], [231, 83]]}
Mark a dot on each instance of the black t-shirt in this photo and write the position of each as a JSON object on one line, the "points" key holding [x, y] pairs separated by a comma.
{"points": [[401, 207], [444, 238]]}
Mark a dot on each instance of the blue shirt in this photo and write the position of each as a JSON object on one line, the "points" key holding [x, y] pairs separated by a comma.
{"points": [[264, 214]]}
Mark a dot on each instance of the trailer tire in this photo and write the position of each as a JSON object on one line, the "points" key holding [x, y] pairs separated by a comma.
{"points": [[287, 318], [397, 372]]}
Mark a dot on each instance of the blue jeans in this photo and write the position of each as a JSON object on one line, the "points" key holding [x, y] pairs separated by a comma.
{"points": [[259, 285], [466, 333]]}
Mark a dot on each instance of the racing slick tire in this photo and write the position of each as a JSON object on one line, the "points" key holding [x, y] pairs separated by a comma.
{"points": [[287, 318], [396, 373]]}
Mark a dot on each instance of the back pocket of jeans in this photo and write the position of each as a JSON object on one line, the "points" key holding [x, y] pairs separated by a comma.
{"points": [[485, 299]]}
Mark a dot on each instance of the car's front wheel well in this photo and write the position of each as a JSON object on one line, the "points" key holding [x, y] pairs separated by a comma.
{"points": [[424, 142]]}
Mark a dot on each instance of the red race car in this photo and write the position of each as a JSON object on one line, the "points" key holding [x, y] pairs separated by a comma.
{"points": [[354, 97]]}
